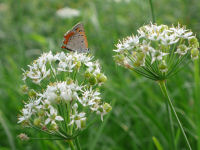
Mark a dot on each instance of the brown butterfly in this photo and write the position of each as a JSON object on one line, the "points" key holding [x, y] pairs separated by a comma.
{"points": [[75, 39]]}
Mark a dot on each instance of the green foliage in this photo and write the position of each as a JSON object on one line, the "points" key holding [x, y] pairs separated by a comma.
{"points": [[29, 27]]}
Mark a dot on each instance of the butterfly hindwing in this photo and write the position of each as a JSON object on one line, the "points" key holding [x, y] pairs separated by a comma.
{"points": [[75, 39]]}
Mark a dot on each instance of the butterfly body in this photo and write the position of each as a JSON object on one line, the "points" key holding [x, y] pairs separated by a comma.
{"points": [[75, 39]]}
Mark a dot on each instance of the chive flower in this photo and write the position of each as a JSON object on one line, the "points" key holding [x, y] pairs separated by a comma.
{"points": [[158, 52], [62, 92]]}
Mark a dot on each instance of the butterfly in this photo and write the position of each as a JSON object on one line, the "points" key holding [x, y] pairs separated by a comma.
{"points": [[75, 39]]}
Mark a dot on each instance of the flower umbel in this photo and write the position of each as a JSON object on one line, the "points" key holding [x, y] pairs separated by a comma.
{"points": [[62, 93], [157, 51]]}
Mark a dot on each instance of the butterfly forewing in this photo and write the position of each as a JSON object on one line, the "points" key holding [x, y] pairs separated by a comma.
{"points": [[75, 39]]}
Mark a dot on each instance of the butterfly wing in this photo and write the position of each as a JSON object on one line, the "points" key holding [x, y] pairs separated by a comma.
{"points": [[75, 39]]}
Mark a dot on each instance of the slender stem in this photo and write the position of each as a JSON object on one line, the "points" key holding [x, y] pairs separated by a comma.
{"points": [[152, 11], [197, 98], [165, 93], [71, 144], [68, 118], [77, 143], [173, 145]]}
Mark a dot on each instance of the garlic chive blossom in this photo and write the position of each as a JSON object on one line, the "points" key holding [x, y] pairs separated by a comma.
{"points": [[62, 90], [157, 51]]}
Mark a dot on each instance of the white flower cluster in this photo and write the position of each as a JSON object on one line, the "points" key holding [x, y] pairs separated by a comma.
{"points": [[68, 84], [67, 12], [61, 62], [158, 46]]}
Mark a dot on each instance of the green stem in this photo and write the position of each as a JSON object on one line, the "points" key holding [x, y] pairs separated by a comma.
{"points": [[71, 144], [69, 131], [173, 145], [77, 143], [152, 11], [165, 93], [197, 98]]}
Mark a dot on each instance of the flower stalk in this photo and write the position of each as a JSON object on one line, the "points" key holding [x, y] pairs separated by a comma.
{"points": [[165, 93], [71, 144], [77, 143], [172, 139], [152, 11], [197, 98]]}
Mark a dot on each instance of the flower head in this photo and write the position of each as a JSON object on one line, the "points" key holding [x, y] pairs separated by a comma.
{"points": [[157, 51], [66, 89]]}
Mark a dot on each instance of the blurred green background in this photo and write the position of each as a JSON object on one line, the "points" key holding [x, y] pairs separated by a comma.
{"points": [[30, 27]]}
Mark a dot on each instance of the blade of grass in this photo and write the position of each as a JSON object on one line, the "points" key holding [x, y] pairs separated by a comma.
{"points": [[7, 131], [157, 143]]}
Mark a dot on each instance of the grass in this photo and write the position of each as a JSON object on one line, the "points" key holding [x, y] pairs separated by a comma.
{"points": [[139, 117]]}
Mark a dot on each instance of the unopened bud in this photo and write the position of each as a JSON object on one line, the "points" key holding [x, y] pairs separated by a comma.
{"points": [[37, 121], [53, 127], [194, 53], [193, 42], [87, 74], [92, 80], [23, 137], [32, 93], [163, 67], [119, 59], [24, 88], [78, 65], [107, 107], [101, 78], [83, 123]]}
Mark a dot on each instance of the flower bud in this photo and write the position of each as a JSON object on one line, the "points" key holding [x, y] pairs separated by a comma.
{"points": [[182, 49], [53, 127], [163, 66], [119, 59], [41, 112], [101, 78], [23, 137], [87, 74], [138, 63], [193, 42], [37, 121], [92, 80], [32, 93], [107, 107], [140, 56], [194, 53], [24, 88], [78, 65], [69, 81], [83, 123]]}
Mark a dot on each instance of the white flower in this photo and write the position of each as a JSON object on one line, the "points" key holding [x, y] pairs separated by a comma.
{"points": [[93, 67], [52, 116], [182, 49], [50, 93], [169, 39], [26, 114], [157, 55], [63, 72], [120, 47], [67, 12], [88, 97], [131, 42], [78, 118]]}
